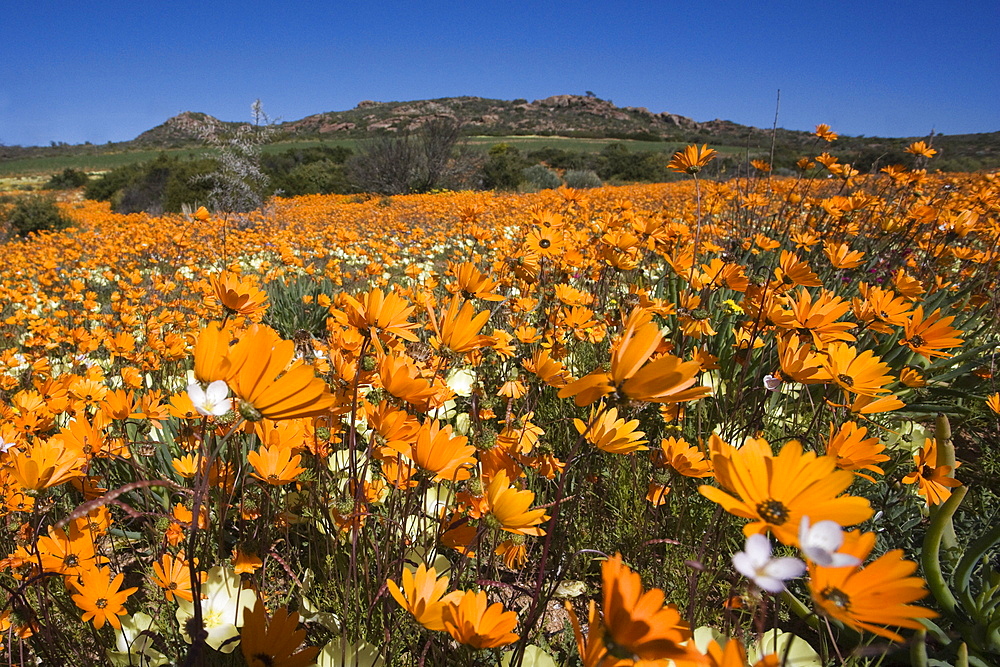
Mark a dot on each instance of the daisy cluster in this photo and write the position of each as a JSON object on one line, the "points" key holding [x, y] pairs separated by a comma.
{"points": [[502, 413]]}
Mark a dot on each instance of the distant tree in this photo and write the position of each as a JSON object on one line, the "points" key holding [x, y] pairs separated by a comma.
{"points": [[417, 161], [385, 165]]}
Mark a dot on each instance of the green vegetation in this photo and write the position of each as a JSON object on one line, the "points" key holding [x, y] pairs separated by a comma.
{"points": [[67, 179], [20, 216]]}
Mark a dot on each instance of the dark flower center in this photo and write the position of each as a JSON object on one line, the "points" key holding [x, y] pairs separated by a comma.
{"points": [[544, 243], [917, 341], [773, 512], [101, 603], [836, 596], [846, 379]]}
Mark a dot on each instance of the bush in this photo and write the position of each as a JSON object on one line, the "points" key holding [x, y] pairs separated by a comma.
{"points": [[538, 177], [313, 178], [33, 213], [618, 163], [163, 185], [67, 180], [404, 163], [557, 158], [582, 178], [503, 168]]}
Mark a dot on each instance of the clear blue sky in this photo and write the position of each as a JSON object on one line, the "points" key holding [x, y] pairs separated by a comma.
{"points": [[100, 71]]}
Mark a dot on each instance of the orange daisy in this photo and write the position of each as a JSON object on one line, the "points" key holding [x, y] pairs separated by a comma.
{"points": [[775, 492], [471, 620]]}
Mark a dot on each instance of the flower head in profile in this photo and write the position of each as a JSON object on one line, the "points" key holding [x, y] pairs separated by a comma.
{"points": [[854, 451], [238, 294], [458, 327], [823, 132], [611, 434], [275, 465], [273, 641], [44, 464], [422, 593], [638, 625], [439, 452], [770, 574], [260, 371], [471, 620], [934, 482], [666, 379], [508, 507], [379, 314], [691, 159]]}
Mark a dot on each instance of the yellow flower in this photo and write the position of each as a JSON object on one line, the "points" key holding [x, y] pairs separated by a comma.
{"points": [[775, 492], [691, 159], [423, 595], [471, 620]]}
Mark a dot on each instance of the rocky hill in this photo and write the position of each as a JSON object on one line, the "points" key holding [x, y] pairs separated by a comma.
{"points": [[559, 115]]}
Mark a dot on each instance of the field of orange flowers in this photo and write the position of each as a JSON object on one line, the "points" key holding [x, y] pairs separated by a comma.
{"points": [[699, 423]]}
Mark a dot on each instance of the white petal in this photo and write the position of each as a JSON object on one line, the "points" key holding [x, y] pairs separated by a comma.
{"points": [[844, 560], [196, 394], [785, 568], [827, 535], [744, 565], [770, 584], [758, 548], [217, 391]]}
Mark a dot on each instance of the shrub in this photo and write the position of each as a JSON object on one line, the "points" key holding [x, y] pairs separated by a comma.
{"points": [[618, 163], [33, 213], [538, 177], [163, 185], [313, 178], [68, 179], [582, 178], [558, 158], [503, 168], [409, 162]]}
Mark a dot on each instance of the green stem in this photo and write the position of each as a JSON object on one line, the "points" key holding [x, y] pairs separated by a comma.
{"points": [[931, 556], [802, 611]]}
